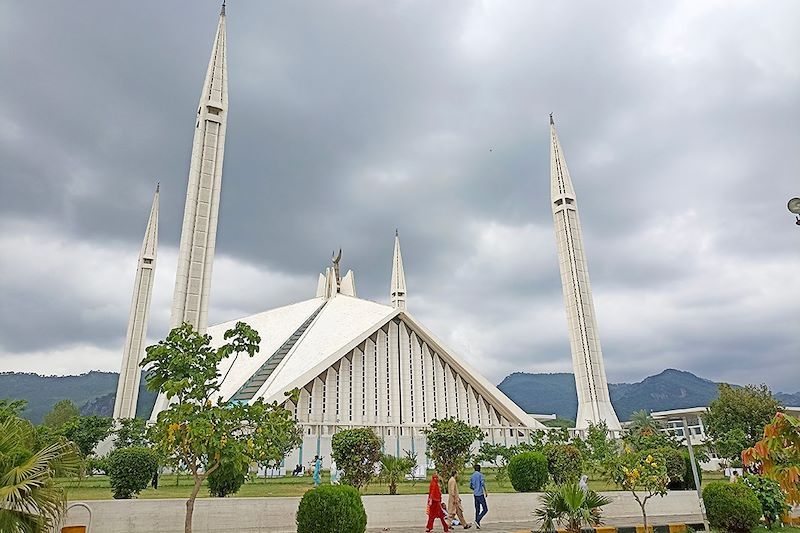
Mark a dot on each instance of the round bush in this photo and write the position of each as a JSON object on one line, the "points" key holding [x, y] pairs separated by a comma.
{"points": [[331, 509], [565, 463], [731, 507], [131, 470], [228, 478], [528, 471]]}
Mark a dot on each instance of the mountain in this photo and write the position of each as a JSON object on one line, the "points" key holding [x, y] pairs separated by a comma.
{"points": [[93, 393], [671, 389]]}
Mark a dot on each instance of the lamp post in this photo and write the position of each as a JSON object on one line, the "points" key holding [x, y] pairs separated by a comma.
{"points": [[688, 438], [794, 207]]}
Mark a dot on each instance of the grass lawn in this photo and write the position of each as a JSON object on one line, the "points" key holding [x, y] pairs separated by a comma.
{"points": [[98, 488]]}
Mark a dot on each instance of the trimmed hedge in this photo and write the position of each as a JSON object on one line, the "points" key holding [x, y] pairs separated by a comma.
{"points": [[228, 478], [131, 470], [564, 462], [331, 509], [528, 471], [731, 507]]}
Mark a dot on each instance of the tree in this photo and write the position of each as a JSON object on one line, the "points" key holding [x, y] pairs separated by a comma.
{"points": [[198, 432], [745, 410], [639, 472], [777, 454], [642, 422], [9, 408], [132, 432], [131, 470], [600, 445], [61, 413], [565, 463], [449, 443], [770, 496], [394, 469], [86, 432], [570, 507], [498, 455], [356, 451], [30, 499]]}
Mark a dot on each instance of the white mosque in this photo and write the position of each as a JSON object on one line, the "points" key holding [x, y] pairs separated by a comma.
{"points": [[357, 363]]}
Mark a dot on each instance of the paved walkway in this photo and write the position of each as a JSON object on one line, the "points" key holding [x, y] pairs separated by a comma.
{"points": [[526, 527]]}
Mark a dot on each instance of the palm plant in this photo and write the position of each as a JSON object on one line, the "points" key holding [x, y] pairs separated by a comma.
{"points": [[30, 500], [394, 469], [571, 507], [642, 422]]}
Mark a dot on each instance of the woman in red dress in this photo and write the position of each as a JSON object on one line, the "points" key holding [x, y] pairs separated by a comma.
{"points": [[435, 504]]}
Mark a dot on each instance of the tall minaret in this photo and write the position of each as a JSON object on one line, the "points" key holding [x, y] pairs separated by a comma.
{"points": [[594, 404], [199, 233], [397, 292], [130, 373]]}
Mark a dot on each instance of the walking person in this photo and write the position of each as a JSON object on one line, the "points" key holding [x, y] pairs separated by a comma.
{"points": [[435, 504], [334, 473], [454, 501], [478, 485], [317, 470]]}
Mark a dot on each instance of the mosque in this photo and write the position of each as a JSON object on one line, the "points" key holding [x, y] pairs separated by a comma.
{"points": [[357, 363]]}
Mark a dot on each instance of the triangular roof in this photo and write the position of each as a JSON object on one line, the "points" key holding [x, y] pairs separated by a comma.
{"points": [[340, 325]]}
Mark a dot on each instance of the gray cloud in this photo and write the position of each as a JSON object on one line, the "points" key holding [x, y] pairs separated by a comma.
{"points": [[679, 123]]}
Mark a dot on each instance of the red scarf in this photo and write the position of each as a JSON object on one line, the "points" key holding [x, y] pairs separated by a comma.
{"points": [[434, 492]]}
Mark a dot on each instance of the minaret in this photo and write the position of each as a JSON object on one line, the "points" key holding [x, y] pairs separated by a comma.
{"points": [[130, 373], [594, 404], [199, 233], [397, 292]]}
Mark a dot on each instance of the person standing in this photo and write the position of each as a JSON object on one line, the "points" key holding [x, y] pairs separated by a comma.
{"points": [[454, 501], [334, 473], [435, 504], [317, 470], [478, 485]]}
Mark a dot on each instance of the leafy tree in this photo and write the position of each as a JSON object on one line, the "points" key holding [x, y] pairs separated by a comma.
{"points": [[227, 479], [61, 413], [642, 474], [570, 507], [30, 499], [770, 496], [11, 408], [564, 462], [600, 444], [743, 410], [778, 454], [499, 456], [131, 432], [449, 443], [202, 434], [131, 470], [356, 451], [394, 469], [86, 432], [558, 435]]}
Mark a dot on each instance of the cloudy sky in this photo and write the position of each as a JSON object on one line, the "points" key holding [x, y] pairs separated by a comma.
{"points": [[680, 122]]}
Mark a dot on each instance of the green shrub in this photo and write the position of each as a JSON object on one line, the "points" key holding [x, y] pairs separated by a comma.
{"points": [[673, 460], [731, 507], [565, 463], [688, 476], [528, 471], [331, 509], [228, 478], [770, 496], [131, 470]]}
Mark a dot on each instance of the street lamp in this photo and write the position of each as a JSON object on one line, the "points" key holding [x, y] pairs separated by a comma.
{"points": [[794, 207]]}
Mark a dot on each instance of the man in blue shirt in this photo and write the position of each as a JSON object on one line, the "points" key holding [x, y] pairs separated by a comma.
{"points": [[478, 485]]}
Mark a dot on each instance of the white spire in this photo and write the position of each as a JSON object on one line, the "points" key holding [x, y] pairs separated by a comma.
{"points": [[397, 291], [199, 233], [199, 230], [130, 373], [594, 404]]}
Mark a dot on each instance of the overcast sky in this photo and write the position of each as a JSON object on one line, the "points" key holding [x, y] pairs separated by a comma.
{"points": [[680, 122]]}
